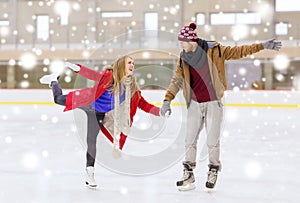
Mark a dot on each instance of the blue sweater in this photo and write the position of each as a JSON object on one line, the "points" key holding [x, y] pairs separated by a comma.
{"points": [[105, 102]]}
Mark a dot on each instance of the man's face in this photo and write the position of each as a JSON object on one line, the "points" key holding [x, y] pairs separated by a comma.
{"points": [[129, 66], [186, 46]]}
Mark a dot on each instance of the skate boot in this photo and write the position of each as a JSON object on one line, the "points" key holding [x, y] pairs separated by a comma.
{"points": [[89, 177], [188, 179], [212, 176], [47, 79]]}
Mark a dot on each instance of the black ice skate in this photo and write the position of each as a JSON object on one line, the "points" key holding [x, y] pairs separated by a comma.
{"points": [[212, 177], [187, 182]]}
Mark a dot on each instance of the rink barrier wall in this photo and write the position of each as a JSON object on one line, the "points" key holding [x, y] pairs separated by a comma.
{"points": [[251, 98]]}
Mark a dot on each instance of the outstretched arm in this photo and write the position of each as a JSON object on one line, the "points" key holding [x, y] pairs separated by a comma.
{"points": [[89, 73], [147, 107], [85, 71], [238, 52]]}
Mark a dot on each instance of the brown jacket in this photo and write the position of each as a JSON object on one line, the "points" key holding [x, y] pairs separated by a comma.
{"points": [[217, 55]]}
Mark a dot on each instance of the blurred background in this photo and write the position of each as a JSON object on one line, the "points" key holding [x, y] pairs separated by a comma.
{"points": [[43, 149], [37, 37]]}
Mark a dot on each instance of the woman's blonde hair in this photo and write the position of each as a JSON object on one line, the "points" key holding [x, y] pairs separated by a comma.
{"points": [[119, 74]]}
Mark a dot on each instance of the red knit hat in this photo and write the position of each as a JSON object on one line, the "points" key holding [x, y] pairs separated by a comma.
{"points": [[188, 33]]}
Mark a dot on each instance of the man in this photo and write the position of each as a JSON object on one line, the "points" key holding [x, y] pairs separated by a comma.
{"points": [[200, 74]]}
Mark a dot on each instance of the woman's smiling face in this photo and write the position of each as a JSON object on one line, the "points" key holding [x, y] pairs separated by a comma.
{"points": [[129, 66]]}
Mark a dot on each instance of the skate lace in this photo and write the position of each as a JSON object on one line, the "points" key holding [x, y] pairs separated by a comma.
{"points": [[90, 174], [186, 174], [212, 176]]}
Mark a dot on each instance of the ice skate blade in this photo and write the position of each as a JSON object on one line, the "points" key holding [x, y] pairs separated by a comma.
{"points": [[190, 186], [210, 190], [93, 187]]}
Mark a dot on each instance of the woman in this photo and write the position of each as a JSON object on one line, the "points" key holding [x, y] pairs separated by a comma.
{"points": [[115, 94]]}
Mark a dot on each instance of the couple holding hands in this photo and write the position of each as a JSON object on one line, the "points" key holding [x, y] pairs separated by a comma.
{"points": [[112, 102]]}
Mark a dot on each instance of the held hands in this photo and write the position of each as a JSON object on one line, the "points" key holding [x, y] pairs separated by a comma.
{"points": [[165, 110], [72, 66], [271, 44]]}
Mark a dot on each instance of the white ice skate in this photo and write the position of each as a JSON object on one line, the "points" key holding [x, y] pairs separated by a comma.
{"points": [[89, 177], [47, 79], [187, 181]]}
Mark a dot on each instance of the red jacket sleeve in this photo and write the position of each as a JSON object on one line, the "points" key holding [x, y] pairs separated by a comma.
{"points": [[111, 139], [89, 73], [147, 107]]}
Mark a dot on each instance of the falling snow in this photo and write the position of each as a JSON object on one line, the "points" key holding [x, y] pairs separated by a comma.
{"points": [[43, 157]]}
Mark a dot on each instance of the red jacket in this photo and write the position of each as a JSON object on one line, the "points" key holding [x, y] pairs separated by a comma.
{"points": [[86, 96]]}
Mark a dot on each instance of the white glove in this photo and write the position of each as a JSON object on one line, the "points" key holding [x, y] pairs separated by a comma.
{"points": [[72, 66], [271, 44]]}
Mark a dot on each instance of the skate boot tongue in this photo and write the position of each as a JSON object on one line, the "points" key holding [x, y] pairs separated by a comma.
{"points": [[212, 178]]}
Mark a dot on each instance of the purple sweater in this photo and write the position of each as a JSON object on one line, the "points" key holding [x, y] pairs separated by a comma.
{"points": [[201, 84]]}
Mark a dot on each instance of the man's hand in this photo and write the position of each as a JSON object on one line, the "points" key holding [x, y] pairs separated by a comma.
{"points": [[165, 110], [271, 44]]}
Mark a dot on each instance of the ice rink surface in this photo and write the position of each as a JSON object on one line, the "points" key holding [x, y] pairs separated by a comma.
{"points": [[42, 160]]}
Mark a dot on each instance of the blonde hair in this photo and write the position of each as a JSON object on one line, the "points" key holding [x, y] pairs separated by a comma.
{"points": [[119, 75]]}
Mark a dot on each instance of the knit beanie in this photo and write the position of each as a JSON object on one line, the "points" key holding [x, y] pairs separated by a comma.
{"points": [[188, 33]]}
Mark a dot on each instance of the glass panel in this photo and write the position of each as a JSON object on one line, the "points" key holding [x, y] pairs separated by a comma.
{"points": [[4, 23], [248, 18], [281, 29], [287, 5], [222, 19], [200, 19], [42, 27], [151, 24], [116, 14]]}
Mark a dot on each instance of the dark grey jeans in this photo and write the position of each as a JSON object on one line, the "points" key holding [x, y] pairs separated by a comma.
{"points": [[94, 122]]}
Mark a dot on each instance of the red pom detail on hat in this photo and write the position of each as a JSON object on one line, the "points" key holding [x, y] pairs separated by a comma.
{"points": [[193, 26]]}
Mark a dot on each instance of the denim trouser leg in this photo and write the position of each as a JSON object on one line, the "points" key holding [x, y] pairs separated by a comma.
{"points": [[210, 115], [59, 98]]}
